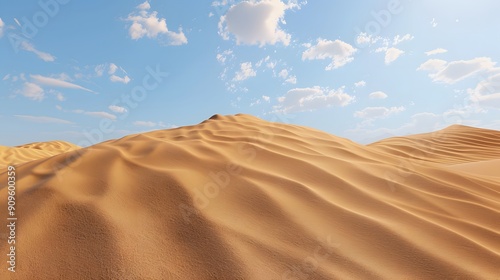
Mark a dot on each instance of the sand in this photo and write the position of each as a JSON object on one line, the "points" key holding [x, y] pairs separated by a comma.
{"points": [[29, 152], [236, 197]]}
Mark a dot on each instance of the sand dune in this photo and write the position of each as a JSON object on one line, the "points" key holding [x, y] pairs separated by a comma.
{"points": [[24, 153], [236, 197]]}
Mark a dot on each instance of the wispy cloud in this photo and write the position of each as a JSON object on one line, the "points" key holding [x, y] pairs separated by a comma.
{"points": [[117, 109], [53, 82], [436, 51], [118, 79], [102, 115], [33, 91], [42, 119], [378, 95], [311, 99], [2, 26], [455, 71], [25, 45]]}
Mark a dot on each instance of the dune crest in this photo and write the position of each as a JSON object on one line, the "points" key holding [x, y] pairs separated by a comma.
{"points": [[236, 197]]}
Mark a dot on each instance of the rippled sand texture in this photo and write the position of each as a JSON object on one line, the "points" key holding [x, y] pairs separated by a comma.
{"points": [[236, 197]]}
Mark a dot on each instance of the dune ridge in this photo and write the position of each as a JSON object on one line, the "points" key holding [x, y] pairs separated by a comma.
{"points": [[236, 197]]}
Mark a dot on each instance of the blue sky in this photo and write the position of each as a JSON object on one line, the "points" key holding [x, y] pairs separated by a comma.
{"points": [[88, 71]]}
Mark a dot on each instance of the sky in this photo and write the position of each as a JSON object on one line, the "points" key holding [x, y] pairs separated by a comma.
{"points": [[89, 71]]}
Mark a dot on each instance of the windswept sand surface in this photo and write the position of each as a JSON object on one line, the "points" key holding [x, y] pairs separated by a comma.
{"points": [[24, 153], [236, 197]]}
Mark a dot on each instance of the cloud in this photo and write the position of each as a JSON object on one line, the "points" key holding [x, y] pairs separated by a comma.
{"points": [[117, 109], [266, 98], [487, 92], [117, 79], [47, 57], [312, 98], [153, 124], [338, 51], [2, 26], [454, 71], [102, 115], [434, 22], [256, 23], [144, 6], [291, 79], [53, 82], [360, 84], [223, 56], [392, 54], [113, 67], [42, 119], [378, 112], [436, 51], [99, 69], [33, 91], [378, 95], [145, 123], [150, 25], [246, 71], [400, 39]]}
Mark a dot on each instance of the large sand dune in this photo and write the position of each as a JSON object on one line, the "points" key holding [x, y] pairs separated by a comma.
{"points": [[236, 197]]}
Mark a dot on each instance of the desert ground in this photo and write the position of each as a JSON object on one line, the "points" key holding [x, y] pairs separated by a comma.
{"points": [[237, 197]]}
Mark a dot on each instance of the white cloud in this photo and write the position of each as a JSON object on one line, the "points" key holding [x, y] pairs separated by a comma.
{"points": [[487, 92], [99, 69], [150, 25], [454, 71], [2, 25], [256, 22], [378, 112], [246, 71], [360, 84], [33, 91], [117, 109], [113, 67], [291, 79], [392, 54], [434, 22], [436, 51], [266, 98], [283, 73], [144, 6], [6, 77], [399, 39], [42, 119], [145, 123], [378, 95], [53, 82], [310, 99], [338, 51], [367, 39], [47, 57], [117, 79], [102, 115], [432, 65], [223, 56]]}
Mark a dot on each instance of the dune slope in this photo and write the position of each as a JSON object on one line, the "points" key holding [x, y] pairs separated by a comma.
{"points": [[236, 197], [25, 153]]}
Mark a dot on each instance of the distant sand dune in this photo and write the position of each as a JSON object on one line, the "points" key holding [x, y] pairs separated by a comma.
{"points": [[236, 197], [33, 151]]}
